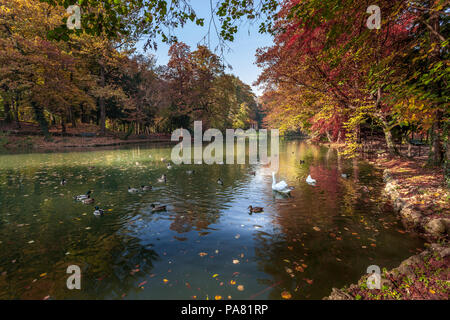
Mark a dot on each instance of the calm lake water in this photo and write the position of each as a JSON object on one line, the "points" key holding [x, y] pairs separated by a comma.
{"points": [[206, 244]]}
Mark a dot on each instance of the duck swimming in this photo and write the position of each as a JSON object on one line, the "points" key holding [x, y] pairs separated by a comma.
{"points": [[83, 196], [219, 181], [190, 171], [169, 166], [146, 188], [98, 212], [255, 209], [157, 208], [63, 182], [88, 201], [132, 190], [162, 179]]}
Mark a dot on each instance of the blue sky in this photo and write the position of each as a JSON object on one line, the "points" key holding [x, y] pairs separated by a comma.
{"points": [[242, 54]]}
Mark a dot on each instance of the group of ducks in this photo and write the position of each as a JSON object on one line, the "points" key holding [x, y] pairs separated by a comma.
{"points": [[281, 187]]}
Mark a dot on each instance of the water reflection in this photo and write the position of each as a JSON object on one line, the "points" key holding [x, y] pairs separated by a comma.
{"points": [[206, 244]]}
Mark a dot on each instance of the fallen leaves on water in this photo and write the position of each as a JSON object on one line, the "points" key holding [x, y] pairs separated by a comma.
{"points": [[218, 297], [309, 281], [202, 254], [142, 283], [316, 228], [235, 261], [286, 295], [42, 275], [240, 287], [232, 282], [165, 280], [215, 275]]}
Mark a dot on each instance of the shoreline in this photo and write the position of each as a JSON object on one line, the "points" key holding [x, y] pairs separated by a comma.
{"points": [[36, 143], [421, 203]]}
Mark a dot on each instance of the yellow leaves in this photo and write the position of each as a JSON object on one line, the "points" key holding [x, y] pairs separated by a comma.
{"points": [[165, 280], [286, 295], [432, 291], [240, 287], [218, 297], [232, 282], [215, 275], [42, 275]]}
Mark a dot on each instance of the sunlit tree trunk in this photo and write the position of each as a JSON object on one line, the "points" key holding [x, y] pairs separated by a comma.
{"points": [[102, 103]]}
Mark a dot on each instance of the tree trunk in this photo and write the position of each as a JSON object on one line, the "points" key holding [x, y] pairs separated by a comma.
{"points": [[388, 137], [437, 150], [436, 156], [102, 104], [40, 118], [8, 118]]}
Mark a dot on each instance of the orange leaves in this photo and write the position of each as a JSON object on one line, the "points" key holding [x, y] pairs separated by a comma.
{"points": [[286, 295]]}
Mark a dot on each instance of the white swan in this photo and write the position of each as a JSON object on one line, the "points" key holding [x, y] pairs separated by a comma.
{"points": [[281, 186], [310, 180]]}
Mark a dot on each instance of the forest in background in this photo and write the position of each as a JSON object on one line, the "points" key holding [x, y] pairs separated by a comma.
{"points": [[94, 79], [327, 74]]}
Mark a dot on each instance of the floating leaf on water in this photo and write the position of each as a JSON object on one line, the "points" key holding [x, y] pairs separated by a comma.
{"points": [[232, 282], [215, 275], [31, 241], [42, 275], [240, 287], [235, 261], [286, 295], [316, 228], [142, 283], [165, 280], [202, 254], [218, 297]]}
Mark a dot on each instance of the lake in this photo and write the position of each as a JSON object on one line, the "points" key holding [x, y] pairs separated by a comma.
{"points": [[206, 244]]}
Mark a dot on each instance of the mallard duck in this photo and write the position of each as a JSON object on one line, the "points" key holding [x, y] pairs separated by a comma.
{"points": [[98, 212], [157, 208], [88, 201], [169, 166], [310, 180], [83, 196], [162, 179], [190, 171], [255, 209], [219, 181], [281, 186], [146, 188], [132, 190], [63, 182]]}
